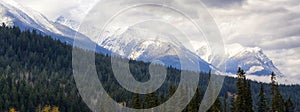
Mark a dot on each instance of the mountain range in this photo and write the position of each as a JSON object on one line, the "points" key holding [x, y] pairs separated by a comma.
{"points": [[127, 43], [147, 45], [14, 14]]}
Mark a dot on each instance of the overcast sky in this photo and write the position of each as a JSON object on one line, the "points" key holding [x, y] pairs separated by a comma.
{"points": [[273, 25]]}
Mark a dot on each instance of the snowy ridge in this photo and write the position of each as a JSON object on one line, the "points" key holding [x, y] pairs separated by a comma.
{"points": [[146, 45], [3, 18], [14, 14], [252, 60], [68, 22], [27, 16]]}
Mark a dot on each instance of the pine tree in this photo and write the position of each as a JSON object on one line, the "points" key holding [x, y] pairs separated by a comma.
{"points": [[152, 100], [162, 98], [216, 107], [289, 106], [240, 101], [232, 103], [268, 103], [194, 104], [171, 91], [3, 25], [244, 98], [136, 101], [262, 106], [277, 100], [248, 96], [225, 103]]}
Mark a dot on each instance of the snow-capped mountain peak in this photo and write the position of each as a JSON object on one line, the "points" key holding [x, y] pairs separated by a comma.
{"points": [[251, 59], [14, 14], [28, 16], [233, 49], [146, 45]]}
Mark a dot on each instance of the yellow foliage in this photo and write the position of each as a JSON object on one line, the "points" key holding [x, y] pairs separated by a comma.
{"points": [[12, 110], [46, 108], [55, 109]]}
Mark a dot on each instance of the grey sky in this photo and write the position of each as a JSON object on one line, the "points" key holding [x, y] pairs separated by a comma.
{"points": [[270, 24]]}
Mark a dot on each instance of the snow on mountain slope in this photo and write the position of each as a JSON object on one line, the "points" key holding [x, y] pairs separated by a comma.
{"points": [[146, 45], [68, 22], [14, 14], [252, 60], [4, 19], [26, 16]]}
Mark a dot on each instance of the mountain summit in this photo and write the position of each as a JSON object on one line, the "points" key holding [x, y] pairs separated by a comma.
{"points": [[146, 45], [14, 14], [251, 59]]}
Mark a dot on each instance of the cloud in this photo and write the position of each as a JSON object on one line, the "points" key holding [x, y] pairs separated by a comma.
{"points": [[54, 8], [281, 43], [222, 3], [272, 25], [287, 60], [50, 8], [258, 19]]}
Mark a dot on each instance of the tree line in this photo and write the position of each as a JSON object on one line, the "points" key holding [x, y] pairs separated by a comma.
{"points": [[239, 102]]}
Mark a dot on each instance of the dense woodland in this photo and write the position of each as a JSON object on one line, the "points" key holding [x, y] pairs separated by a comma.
{"points": [[36, 75]]}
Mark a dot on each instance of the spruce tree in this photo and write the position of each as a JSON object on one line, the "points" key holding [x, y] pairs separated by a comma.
{"points": [[248, 97], [268, 103], [162, 98], [216, 107], [289, 106], [244, 98], [136, 101], [232, 103], [152, 100], [277, 100], [262, 106], [171, 91], [225, 103], [194, 104], [240, 91]]}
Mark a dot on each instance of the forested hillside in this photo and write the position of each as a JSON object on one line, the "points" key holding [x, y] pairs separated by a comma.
{"points": [[36, 72]]}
